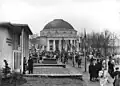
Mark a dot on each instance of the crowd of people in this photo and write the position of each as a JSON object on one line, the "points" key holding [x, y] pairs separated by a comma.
{"points": [[103, 69]]}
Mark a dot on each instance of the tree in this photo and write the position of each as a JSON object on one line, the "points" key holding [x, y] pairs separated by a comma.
{"points": [[99, 40], [106, 34]]}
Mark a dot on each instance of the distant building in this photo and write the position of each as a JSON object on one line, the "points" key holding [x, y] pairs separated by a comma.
{"points": [[14, 44], [57, 35]]}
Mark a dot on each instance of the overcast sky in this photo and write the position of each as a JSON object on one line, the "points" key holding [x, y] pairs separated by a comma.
{"points": [[94, 15]]}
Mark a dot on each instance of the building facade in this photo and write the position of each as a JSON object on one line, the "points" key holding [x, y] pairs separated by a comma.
{"points": [[14, 44], [58, 35]]}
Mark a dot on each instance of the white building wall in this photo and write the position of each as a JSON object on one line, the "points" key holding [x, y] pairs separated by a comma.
{"points": [[5, 49], [26, 45]]}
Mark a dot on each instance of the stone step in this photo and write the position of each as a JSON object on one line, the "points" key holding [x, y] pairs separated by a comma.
{"points": [[79, 76], [50, 65], [49, 61]]}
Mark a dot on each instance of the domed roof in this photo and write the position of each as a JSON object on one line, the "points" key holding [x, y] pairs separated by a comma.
{"points": [[58, 24]]}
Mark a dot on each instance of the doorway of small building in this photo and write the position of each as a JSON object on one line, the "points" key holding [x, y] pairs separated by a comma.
{"points": [[17, 59]]}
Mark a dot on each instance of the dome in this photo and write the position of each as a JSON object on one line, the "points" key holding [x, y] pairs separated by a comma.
{"points": [[58, 24]]}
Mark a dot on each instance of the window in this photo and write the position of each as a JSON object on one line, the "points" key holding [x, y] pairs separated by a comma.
{"points": [[51, 47], [51, 44]]}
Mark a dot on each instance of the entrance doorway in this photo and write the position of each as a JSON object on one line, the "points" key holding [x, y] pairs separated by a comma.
{"points": [[17, 59]]}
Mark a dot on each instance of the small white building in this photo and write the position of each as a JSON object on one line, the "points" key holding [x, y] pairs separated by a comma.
{"points": [[14, 44]]}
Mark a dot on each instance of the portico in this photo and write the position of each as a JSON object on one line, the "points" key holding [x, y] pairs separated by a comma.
{"points": [[55, 44]]}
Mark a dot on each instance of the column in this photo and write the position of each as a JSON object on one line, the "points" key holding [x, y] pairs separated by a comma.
{"points": [[43, 47], [53, 45], [66, 45], [74, 45], [60, 46], [74, 42], [71, 45], [22, 47], [48, 45], [77, 45]]}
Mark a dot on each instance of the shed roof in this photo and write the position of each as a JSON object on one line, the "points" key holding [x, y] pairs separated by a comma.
{"points": [[16, 27]]}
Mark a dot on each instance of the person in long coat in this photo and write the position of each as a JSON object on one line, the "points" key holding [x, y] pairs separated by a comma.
{"points": [[30, 65], [111, 67], [98, 68], [94, 70], [91, 71], [79, 61]]}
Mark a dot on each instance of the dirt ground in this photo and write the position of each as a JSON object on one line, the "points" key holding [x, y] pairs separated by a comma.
{"points": [[6, 82], [45, 81]]}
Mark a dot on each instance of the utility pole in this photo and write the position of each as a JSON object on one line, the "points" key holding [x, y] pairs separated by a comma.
{"points": [[85, 50], [106, 47]]}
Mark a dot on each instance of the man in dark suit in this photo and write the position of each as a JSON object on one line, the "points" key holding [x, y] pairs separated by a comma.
{"points": [[111, 67], [91, 71], [98, 67], [30, 65]]}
